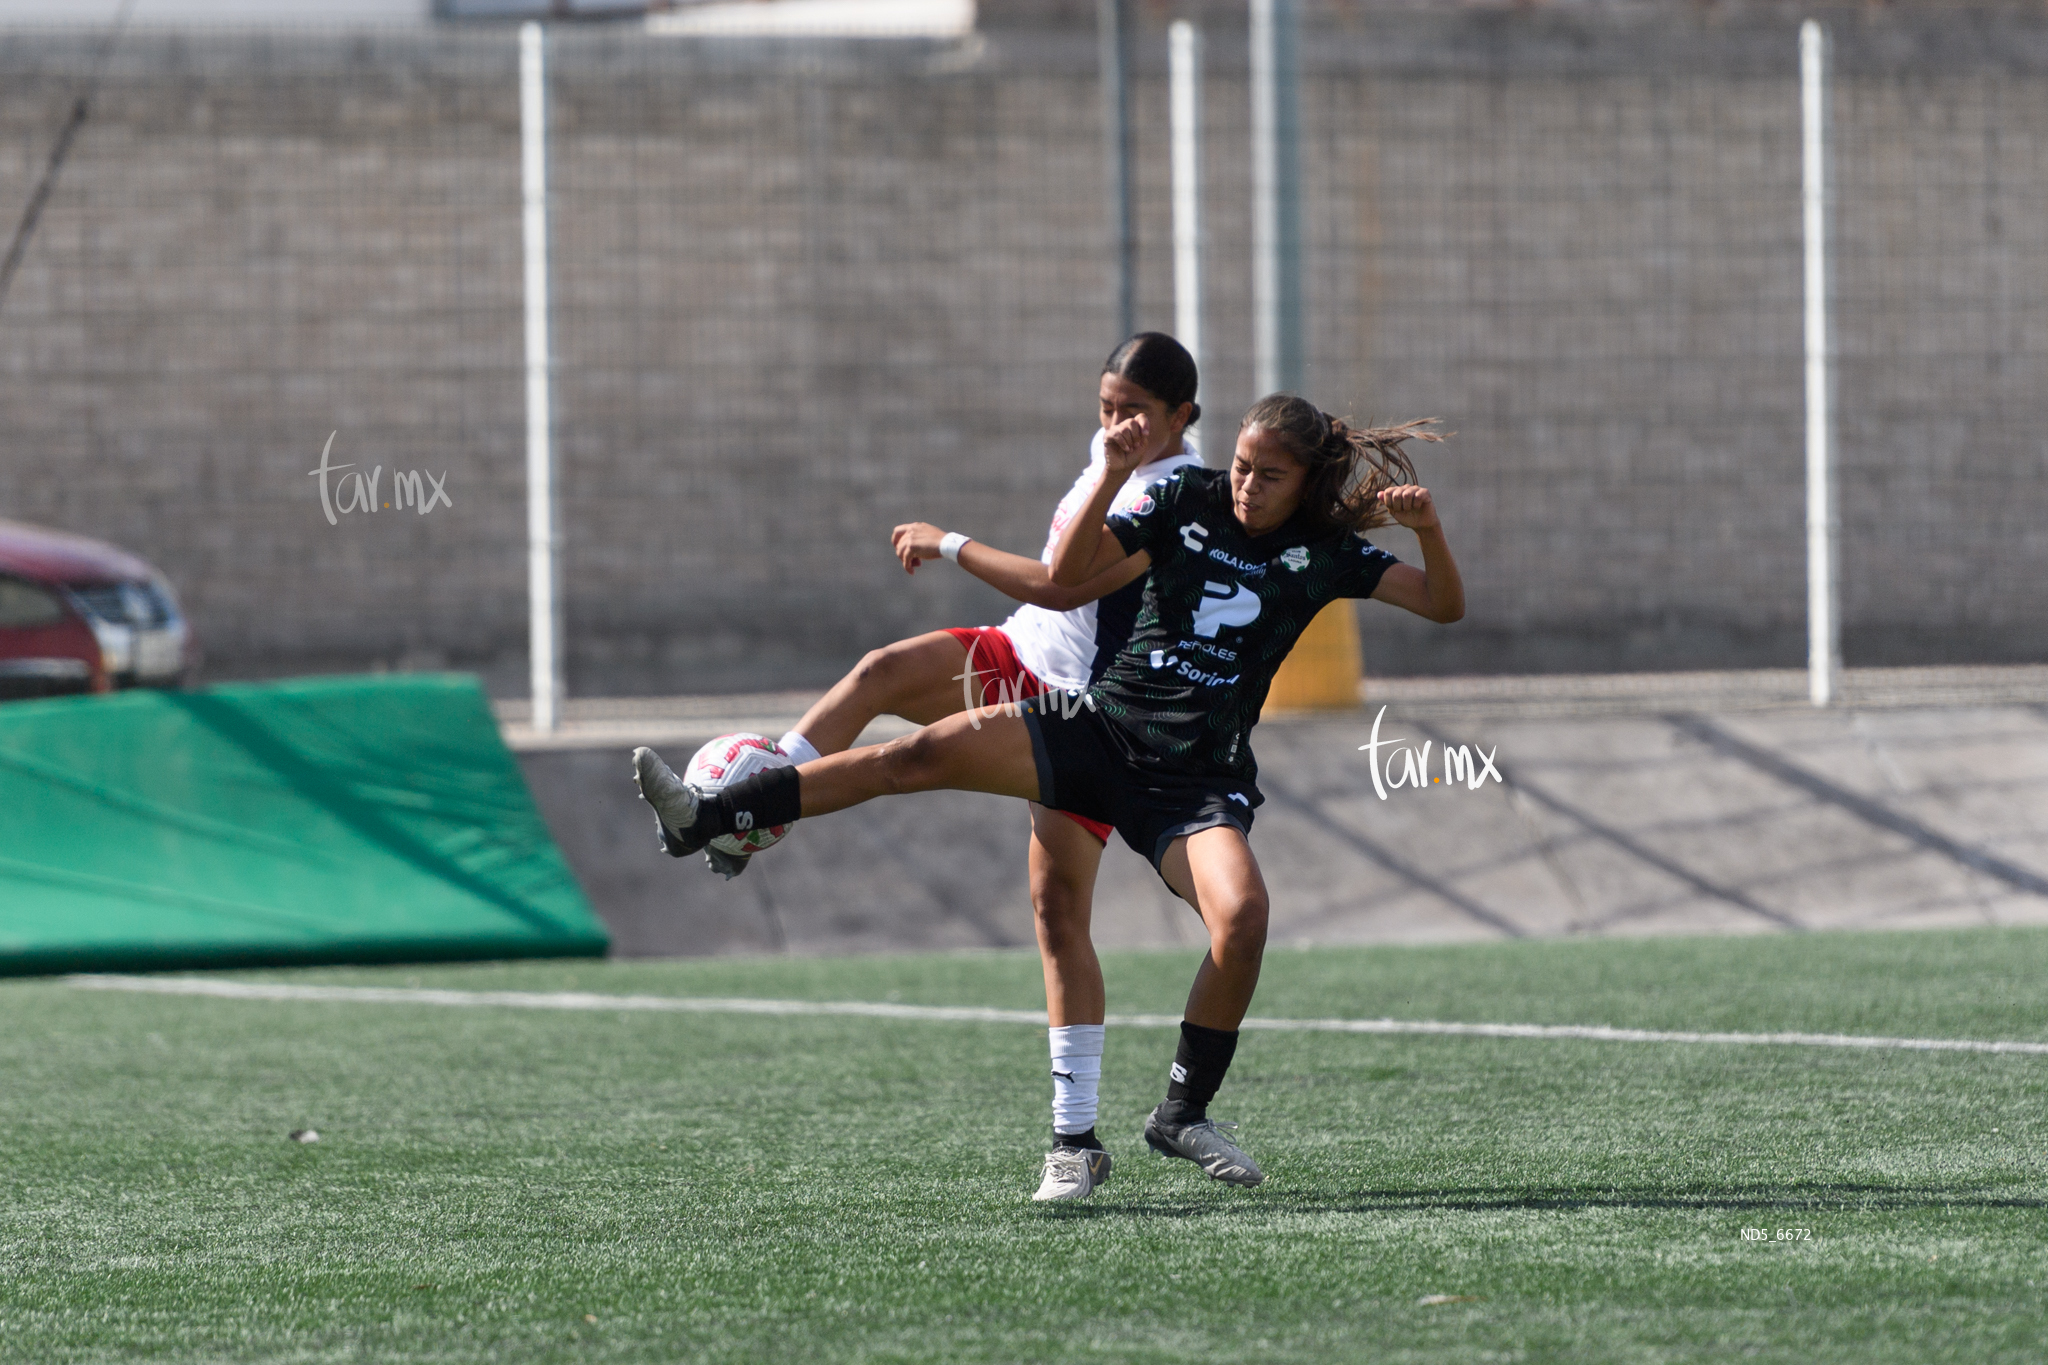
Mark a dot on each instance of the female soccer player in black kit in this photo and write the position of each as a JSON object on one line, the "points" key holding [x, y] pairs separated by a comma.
{"points": [[1240, 561]]}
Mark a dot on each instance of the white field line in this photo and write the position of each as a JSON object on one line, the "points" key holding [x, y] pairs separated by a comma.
{"points": [[961, 1014]]}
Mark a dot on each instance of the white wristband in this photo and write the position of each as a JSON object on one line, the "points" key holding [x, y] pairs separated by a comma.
{"points": [[950, 543]]}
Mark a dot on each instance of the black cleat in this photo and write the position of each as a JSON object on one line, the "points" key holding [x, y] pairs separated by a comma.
{"points": [[730, 865], [1202, 1144], [675, 805]]}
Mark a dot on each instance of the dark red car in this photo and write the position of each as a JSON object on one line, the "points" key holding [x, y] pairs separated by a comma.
{"points": [[78, 615]]}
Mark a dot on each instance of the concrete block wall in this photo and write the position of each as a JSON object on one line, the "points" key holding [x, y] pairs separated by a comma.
{"points": [[805, 291]]}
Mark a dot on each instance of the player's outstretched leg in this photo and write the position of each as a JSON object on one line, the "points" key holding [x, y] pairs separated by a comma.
{"points": [[1214, 871], [969, 752], [918, 679]]}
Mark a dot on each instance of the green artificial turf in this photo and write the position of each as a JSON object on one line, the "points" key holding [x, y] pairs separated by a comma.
{"points": [[513, 1185]]}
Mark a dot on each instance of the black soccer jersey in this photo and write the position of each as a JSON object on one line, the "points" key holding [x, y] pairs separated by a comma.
{"points": [[1220, 611]]}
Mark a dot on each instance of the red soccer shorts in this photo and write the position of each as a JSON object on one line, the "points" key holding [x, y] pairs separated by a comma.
{"points": [[1000, 676]]}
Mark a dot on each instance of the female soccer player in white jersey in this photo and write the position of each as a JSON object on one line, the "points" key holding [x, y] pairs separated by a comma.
{"points": [[1239, 562], [1060, 639]]}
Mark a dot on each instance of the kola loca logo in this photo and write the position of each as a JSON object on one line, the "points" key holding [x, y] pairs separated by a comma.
{"points": [[357, 492]]}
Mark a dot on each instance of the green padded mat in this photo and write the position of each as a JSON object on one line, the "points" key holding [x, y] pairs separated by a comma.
{"points": [[324, 820]]}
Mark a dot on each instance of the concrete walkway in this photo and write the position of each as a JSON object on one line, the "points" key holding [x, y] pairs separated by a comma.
{"points": [[1652, 804]]}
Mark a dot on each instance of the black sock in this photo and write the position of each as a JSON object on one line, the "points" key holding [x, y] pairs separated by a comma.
{"points": [[1198, 1066], [1086, 1141], [757, 802]]}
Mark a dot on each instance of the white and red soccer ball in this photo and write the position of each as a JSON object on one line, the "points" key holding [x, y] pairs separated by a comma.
{"points": [[726, 760]]}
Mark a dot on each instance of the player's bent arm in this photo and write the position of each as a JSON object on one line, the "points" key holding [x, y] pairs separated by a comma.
{"points": [[1109, 569], [1087, 546], [1434, 591], [1027, 580], [1407, 587]]}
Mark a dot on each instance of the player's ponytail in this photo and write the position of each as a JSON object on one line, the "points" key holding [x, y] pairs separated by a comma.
{"points": [[1159, 365], [1348, 467]]}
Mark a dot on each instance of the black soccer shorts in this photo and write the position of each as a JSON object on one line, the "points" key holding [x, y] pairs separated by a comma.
{"points": [[1089, 765]]}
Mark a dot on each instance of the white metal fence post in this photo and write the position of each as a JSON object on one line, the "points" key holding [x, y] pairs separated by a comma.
{"points": [[543, 569], [1276, 199], [1184, 49], [1823, 520], [1114, 56]]}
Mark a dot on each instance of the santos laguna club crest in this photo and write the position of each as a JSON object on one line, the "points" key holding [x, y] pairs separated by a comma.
{"points": [[1295, 558]]}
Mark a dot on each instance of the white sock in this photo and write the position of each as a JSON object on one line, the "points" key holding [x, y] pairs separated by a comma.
{"points": [[1076, 1076], [799, 749]]}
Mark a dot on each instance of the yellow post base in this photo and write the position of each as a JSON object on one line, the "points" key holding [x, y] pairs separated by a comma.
{"points": [[1324, 671]]}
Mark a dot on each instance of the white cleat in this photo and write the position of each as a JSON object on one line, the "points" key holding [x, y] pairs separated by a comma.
{"points": [[674, 802], [1072, 1173], [1202, 1144]]}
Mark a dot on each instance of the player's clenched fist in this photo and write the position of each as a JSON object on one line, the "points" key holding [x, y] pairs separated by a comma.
{"points": [[1123, 445], [1410, 504], [915, 542]]}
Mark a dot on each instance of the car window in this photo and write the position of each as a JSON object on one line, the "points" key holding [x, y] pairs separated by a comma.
{"points": [[23, 605]]}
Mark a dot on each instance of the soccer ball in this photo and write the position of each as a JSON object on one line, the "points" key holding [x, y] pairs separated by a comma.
{"points": [[726, 760]]}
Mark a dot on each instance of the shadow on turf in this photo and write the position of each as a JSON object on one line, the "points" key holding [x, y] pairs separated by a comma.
{"points": [[1210, 1201]]}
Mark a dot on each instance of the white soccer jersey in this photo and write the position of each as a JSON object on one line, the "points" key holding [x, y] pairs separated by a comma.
{"points": [[1063, 647]]}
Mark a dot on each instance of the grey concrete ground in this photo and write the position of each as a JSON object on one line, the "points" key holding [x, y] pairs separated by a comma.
{"points": [[1653, 804]]}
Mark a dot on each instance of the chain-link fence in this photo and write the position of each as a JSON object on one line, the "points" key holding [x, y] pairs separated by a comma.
{"points": [[807, 289]]}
